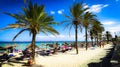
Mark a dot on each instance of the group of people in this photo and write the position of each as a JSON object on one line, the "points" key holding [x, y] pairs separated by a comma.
{"points": [[66, 47], [100, 44], [26, 56], [54, 49]]}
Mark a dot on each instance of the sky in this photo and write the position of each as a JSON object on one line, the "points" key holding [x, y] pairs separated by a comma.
{"points": [[107, 11]]}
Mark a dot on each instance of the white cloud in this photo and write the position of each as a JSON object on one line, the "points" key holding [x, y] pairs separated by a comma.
{"points": [[111, 26], [105, 5], [108, 22], [60, 11], [86, 6], [97, 8], [52, 12], [59, 38]]}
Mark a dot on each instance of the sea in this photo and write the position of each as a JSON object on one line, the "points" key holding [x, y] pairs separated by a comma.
{"points": [[41, 44]]}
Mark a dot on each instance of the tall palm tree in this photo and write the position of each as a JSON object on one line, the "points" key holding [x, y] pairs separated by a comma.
{"points": [[100, 38], [35, 20], [108, 36], [74, 20], [100, 30], [96, 29], [91, 35], [87, 19]]}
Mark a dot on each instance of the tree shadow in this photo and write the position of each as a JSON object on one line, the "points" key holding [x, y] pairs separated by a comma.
{"points": [[11, 63], [105, 60], [71, 53], [34, 65]]}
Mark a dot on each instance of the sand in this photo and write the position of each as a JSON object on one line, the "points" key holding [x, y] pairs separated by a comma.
{"points": [[70, 58]]}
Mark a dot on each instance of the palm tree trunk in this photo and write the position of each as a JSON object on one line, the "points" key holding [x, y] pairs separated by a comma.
{"points": [[107, 39], [100, 43], [107, 34], [86, 37], [76, 38], [97, 41], [92, 40], [33, 47]]}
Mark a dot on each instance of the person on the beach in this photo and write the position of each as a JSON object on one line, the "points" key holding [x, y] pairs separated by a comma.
{"points": [[63, 48], [26, 53], [99, 44], [103, 44], [30, 62]]}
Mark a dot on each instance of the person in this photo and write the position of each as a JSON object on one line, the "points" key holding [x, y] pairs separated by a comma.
{"points": [[30, 61], [63, 48], [82, 45], [103, 44], [26, 53], [47, 52], [11, 49]]}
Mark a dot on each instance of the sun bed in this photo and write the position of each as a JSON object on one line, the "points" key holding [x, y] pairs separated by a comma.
{"points": [[5, 57]]}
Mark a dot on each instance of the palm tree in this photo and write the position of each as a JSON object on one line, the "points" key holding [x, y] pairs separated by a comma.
{"points": [[108, 36], [91, 35], [24, 1], [96, 29], [74, 20], [100, 38], [35, 20], [87, 19], [100, 30]]}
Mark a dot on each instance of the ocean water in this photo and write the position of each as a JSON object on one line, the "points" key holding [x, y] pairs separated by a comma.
{"points": [[23, 45]]}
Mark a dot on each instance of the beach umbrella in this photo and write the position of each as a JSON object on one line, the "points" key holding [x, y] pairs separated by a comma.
{"points": [[2, 48]]}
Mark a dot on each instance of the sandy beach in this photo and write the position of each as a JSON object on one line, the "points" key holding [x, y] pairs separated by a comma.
{"points": [[59, 33], [69, 59]]}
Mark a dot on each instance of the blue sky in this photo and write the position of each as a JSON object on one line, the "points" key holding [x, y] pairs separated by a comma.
{"points": [[107, 11]]}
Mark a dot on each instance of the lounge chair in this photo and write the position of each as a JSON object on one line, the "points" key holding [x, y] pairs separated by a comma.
{"points": [[5, 57], [44, 52]]}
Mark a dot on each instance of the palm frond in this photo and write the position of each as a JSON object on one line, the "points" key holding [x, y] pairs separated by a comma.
{"points": [[51, 30], [43, 31], [68, 17], [17, 25], [70, 29], [24, 1], [5, 28], [67, 26], [65, 21], [80, 28], [18, 34], [12, 26]]}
